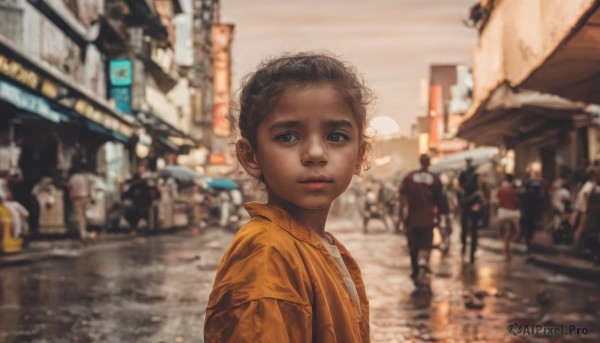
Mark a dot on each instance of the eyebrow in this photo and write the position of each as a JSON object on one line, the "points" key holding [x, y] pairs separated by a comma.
{"points": [[286, 124]]}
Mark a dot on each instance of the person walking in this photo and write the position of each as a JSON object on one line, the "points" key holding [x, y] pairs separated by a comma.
{"points": [[78, 187], [581, 206], [422, 193], [142, 193], [533, 198], [471, 203], [590, 235], [561, 208], [508, 213]]}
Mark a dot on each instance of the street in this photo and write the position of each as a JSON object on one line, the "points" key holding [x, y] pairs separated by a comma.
{"points": [[155, 289]]}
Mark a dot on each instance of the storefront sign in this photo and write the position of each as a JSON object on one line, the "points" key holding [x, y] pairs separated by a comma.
{"points": [[39, 105], [16, 71], [28, 102], [122, 97], [49, 89], [121, 72], [96, 115]]}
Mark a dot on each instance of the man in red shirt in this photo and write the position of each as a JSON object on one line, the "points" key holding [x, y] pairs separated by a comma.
{"points": [[508, 213], [422, 195]]}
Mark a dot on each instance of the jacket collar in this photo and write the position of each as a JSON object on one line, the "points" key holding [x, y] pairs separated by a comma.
{"points": [[282, 219]]}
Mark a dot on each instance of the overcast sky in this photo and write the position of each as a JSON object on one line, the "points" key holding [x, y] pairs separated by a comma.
{"points": [[391, 42]]}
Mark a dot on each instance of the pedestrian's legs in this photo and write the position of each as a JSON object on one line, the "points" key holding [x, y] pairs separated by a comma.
{"points": [[224, 220], [579, 230], [79, 211], [413, 251], [475, 217], [132, 217], [422, 245], [528, 228], [464, 228], [504, 233]]}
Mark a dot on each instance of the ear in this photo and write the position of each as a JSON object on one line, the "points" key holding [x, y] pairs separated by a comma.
{"points": [[247, 158], [360, 158]]}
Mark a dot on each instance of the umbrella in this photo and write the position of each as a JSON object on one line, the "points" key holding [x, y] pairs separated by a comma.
{"points": [[456, 161], [222, 184], [182, 175]]}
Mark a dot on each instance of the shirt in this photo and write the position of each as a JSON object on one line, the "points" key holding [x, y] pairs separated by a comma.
{"points": [[19, 214], [508, 196], [79, 186], [560, 198], [582, 196], [423, 192], [278, 283]]}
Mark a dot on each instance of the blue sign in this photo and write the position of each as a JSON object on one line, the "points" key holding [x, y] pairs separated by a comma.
{"points": [[29, 102], [121, 72], [122, 96]]}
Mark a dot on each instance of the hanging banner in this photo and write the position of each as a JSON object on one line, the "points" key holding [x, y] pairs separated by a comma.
{"points": [[221, 39], [122, 97], [436, 123], [121, 72], [121, 78]]}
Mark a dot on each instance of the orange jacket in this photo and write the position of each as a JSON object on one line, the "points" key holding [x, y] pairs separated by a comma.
{"points": [[277, 283]]}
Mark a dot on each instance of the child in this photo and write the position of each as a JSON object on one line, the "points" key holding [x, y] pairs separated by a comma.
{"points": [[284, 279]]}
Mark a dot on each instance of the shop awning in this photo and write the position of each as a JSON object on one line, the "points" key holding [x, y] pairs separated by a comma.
{"points": [[61, 95], [30, 102], [547, 46], [573, 69], [159, 127], [512, 116]]}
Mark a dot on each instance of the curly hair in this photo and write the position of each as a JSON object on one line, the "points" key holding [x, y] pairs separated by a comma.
{"points": [[262, 89]]}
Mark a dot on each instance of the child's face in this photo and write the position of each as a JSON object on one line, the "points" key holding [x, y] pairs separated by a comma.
{"points": [[308, 147]]}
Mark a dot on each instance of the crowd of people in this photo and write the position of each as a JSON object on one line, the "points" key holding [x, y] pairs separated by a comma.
{"points": [[568, 209], [79, 205]]}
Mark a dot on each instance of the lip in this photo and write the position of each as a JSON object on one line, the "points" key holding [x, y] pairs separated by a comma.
{"points": [[317, 179], [316, 182]]}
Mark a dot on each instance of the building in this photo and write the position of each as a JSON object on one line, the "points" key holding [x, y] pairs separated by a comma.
{"points": [[53, 89], [535, 75], [104, 85], [448, 99]]}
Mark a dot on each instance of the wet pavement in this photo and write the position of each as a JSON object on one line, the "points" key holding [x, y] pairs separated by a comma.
{"points": [[155, 289]]}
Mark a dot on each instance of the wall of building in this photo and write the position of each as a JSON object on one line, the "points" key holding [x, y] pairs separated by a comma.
{"points": [[518, 37]]}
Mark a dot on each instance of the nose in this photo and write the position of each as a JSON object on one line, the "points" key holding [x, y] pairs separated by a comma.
{"points": [[315, 152]]}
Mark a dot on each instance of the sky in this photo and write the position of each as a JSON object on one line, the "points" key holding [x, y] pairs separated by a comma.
{"points": [[391, 42]]}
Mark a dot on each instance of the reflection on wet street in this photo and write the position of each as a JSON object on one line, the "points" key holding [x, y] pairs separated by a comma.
{"points": [[144, 290], [469, 302], [155, 290]]}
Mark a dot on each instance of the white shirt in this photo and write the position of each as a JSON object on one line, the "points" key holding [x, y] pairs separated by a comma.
{"points": [[335, 252], [559, 199], [79, 186]]}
